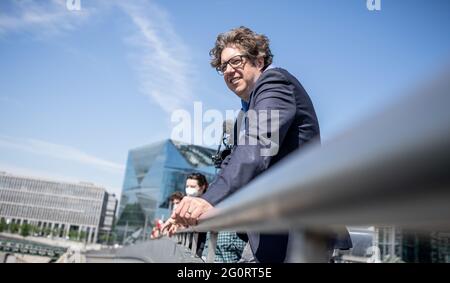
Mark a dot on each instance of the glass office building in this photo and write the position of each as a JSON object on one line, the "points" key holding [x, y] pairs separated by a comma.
{"points": [[152, 174], [395, 244], [414, 246]]}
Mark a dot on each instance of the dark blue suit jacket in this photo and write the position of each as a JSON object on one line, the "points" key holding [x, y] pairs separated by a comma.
{"points": [[275, 89]]}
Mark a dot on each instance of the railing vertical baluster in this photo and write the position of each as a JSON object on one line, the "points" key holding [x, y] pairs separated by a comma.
{"points": [[189, 238], [305, 246], [194, 243], [212, 246]]}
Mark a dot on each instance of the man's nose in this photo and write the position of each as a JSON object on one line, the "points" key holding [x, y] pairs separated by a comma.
{"points": [[228, 69]]}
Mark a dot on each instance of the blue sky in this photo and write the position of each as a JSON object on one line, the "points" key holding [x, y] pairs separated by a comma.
{"points": [[78, 89]]}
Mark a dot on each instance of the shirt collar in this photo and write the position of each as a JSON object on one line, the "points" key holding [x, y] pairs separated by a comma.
{"points": [[244, 104]]}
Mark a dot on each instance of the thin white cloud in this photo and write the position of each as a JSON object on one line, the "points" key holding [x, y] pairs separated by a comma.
{"points": [[41, 18], [161, 58], [57, 151]]}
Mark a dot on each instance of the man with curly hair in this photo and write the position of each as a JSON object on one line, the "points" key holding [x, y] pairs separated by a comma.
{"points": [[244, 59]]}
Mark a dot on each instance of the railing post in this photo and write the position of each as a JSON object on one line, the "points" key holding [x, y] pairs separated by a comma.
{"points": [[189, 238], [212, 246], [194, 243], [305, 246]]}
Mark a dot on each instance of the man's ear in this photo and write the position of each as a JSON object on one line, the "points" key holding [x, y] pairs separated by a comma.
{"points": [[260, 62]]}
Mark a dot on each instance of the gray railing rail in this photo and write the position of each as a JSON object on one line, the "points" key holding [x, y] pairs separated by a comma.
{"points": [[391, 169]]}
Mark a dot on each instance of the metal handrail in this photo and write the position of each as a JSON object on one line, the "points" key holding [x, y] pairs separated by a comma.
{"points": [[391, 169]]}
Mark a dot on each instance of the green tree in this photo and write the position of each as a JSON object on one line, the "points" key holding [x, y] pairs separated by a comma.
{"points": [[103, 238], [14, 228], [56, 232], [73, 235], [25, 230], [47, 231], [106, 238], [82, 235], [35, 230], [112, 238], [3, 225]]}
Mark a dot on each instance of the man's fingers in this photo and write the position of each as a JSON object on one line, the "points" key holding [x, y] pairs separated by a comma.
{"points": [[201, 206], [188, 211], [184, 221], [192, 220], [196, 212], [184, 209], [180, 206], [189, 215], [181, 210]]}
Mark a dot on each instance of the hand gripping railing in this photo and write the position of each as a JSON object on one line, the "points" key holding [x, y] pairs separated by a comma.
{"points": [[391, 169]]}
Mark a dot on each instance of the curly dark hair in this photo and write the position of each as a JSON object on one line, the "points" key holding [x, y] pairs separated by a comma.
{"points": [[176, 195], [254, 45]]}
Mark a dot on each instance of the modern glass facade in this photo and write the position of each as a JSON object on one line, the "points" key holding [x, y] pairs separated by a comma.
{"points": [[395, 244], [152, 174], [414, 246]]}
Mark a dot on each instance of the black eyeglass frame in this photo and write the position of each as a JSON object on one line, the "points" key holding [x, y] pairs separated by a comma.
{"points": [[223, 67]]}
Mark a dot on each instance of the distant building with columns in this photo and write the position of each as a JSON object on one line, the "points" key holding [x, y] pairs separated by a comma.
{"points": [[67, 207]]}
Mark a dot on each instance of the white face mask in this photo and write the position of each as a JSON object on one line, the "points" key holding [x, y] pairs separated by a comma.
{"points": [[175, 206], [192, 192]]}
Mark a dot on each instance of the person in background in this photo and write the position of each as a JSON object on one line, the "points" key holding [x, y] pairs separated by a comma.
{"points": [[229, 248], [156, 231], [196, 185], [175, 199]]}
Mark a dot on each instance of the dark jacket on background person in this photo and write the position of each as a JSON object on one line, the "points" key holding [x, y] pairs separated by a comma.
{"points": [[275, 89]]}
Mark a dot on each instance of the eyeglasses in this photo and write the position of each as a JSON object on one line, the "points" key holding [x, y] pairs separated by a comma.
{"points": [[234, 62]]}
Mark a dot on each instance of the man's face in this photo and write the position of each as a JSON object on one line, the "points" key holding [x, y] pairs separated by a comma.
{"points": [[242, 78]]}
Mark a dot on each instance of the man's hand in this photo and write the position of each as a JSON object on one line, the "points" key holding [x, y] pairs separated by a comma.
{"points": [[190, 209], [187, 213]]}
